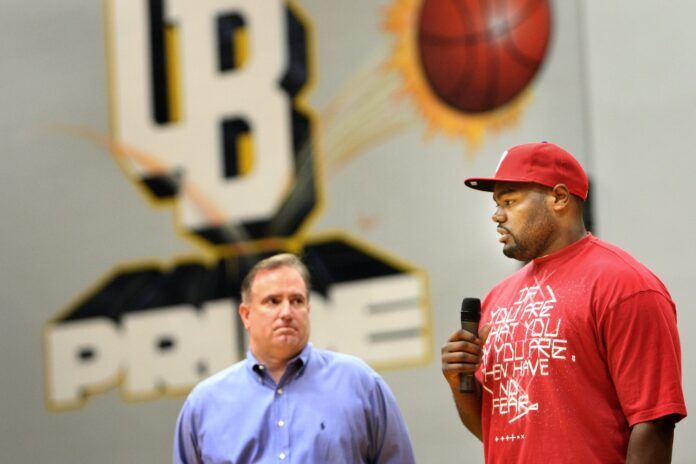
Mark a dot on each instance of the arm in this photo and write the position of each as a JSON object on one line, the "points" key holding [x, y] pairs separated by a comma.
{"points": [[185, 444], [651, 442], [391, 443], [462, 355], [647, 381]]}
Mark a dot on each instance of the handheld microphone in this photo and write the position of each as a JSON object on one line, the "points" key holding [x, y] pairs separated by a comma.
{"points": [[470, 316]]}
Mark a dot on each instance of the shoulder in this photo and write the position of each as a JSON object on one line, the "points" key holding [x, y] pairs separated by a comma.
{"points": [[619, 285], [349, 362], [352, 376], [613, 256], [611, 263], [346, 366], [227, 379]]}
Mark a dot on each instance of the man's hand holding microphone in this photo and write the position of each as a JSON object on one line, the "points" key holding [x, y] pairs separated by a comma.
{"points": [[461, 355]]}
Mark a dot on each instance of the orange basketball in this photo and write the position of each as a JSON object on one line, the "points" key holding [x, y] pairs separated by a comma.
{"points": [[478, 55]]}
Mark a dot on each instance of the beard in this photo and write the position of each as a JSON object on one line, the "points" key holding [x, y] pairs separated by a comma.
{"points": [[519, 251], [533, 238]]}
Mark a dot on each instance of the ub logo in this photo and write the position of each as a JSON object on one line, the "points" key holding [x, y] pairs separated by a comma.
{"points": [[208, 118]]}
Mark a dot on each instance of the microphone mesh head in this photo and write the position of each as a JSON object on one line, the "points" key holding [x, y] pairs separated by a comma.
{"points": [[471, 310]]}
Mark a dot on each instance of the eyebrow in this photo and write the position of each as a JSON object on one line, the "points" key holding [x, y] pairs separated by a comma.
{"points": [[506, 190], [289, 295]]}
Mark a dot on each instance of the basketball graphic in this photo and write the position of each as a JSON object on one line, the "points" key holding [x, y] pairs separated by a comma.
{"points": [[478, 55]]}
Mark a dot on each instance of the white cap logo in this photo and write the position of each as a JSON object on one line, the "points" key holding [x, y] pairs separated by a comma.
{"points": [[502, 157]]}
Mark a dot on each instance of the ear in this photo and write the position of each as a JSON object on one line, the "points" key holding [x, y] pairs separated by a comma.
{"points": [[244, 314], [561, 197]]}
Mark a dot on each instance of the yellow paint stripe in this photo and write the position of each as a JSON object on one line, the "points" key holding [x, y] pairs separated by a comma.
{"points": [[172, 49], [240, 45], [245, 153]]}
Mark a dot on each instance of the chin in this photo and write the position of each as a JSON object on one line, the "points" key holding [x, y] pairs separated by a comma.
{"points": [[286, 340], [514, 253], [289, 343], [510, 252]]}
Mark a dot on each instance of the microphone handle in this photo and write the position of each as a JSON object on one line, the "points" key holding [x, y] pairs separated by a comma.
{"points": [[467, 381]]}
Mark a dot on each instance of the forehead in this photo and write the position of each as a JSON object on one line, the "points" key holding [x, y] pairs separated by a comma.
{"points": [[502, 188], [284, 279]]}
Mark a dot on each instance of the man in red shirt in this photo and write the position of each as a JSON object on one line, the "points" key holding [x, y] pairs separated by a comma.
{"points": [[578, 356]]}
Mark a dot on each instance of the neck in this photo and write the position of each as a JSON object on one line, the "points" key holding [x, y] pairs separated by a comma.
{"points": [[567, 237], [275, 366], [277, 372]]}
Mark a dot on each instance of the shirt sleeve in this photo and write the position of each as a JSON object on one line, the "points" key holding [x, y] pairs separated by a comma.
{"points": [[390, 441], [644, 356], [185, 443]]}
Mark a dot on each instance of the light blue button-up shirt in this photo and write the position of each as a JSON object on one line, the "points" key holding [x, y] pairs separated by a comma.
{"points": [[327, 408]]}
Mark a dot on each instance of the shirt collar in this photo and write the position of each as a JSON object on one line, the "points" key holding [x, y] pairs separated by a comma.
{"points": [[296, 364], [569, 250]]}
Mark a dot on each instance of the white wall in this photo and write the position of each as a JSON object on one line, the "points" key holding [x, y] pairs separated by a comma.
{"points": [[642, 65]]}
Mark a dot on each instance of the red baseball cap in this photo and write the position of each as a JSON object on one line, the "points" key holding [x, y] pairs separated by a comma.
{"points": [[540, 163]]}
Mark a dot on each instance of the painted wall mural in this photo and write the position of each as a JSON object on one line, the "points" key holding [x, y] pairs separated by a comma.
{"points": [[209, 117]]}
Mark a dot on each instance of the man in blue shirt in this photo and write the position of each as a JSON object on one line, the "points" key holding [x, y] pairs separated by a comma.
{"points": [[288, 401]]}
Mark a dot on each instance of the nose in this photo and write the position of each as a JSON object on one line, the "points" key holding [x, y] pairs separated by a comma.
{"points": [[498, 215], [286, 310]]}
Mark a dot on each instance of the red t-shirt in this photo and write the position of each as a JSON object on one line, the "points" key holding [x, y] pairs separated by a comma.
{"points": [[583, 345]]}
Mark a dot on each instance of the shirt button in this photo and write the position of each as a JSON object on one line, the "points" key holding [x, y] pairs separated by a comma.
{"points": [[279, 391], [281, 423], [281, 456]]}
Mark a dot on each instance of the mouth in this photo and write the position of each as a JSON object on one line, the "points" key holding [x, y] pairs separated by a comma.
{"points": [[285, 330], [504, 234]]}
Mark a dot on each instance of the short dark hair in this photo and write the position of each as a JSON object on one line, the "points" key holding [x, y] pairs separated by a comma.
{"points": [[275, 262]]}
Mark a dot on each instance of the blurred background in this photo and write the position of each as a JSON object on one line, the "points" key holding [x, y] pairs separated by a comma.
{"points": [[154, 149]]}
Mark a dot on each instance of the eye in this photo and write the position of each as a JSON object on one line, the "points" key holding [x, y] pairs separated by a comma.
{"points": [[502, 204]]}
